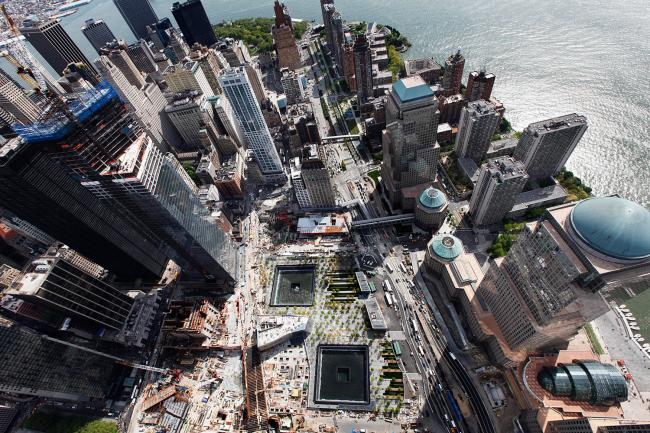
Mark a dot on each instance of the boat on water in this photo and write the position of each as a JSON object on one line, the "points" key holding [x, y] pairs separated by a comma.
{"points": [[64, 14], [73, 5]]}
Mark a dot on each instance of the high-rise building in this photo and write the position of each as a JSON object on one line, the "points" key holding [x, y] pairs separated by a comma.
{"points": [[284, 38], [187, 77], [158, 191], [597, 425], [334, 31], [293, 86], [36, 366], [316, 179], [431, 209], [147, 102], [255, 79], [194, 23], [546, 288], [60, 281], [348, 66], [427, 68], [453, 75], [36, 189], [409, 142], [193, 117], [228, 178], [363, 69], [97, 33], [499, 183], [15, 106], [209, 63], [138, 14], [298, 184], [158, 34], [116, 52], [142, 56], [479, 86], [177, 49], [238, 90], [546, 146], [57, 48], [477, 124], [228, 122]]}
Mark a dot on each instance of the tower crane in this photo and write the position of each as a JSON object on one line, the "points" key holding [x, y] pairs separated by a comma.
{"points": [[106, 355], [29, 69]]}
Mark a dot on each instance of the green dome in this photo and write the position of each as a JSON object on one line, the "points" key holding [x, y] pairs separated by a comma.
{"points": [[432, 198], [613, 226], [445, 247]]}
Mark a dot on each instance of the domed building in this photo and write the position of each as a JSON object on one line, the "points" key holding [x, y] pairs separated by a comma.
{"points": [[431, 209], [442, 249], [612, 228], [546, 288], [585, 381]]}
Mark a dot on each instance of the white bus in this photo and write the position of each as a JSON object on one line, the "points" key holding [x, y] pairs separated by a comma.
{"points": [[389, 267], [388, 287], [389, 299], [421, 350], [402, 267], [414, 324]]}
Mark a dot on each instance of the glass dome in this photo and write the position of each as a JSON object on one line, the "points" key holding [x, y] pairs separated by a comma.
{"points": [[432, 198], [445, 247]]}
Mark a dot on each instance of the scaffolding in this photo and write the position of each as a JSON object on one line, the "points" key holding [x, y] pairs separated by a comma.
{"points": [[55, 123]]}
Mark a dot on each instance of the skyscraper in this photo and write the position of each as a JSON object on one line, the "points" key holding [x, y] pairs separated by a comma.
{"points": [[478, 121], [499, 183], [193, 117], [53, 43], [284, 39], [138, 14], [363, 69], [15, 106], [545, 146], [237, 88], [116, 52], [453, 75], [40, 183], [316, 179], [146, 101], [158, 191], [194, 23], [545, 289], [479, 86], [56, 282], [35, 366], [334, 33], [97, 33], [36, 189], [409, 141], [142, 56]]}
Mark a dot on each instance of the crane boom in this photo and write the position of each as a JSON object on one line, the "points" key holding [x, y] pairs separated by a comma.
{"points": [[25, 62], [106, 355]]}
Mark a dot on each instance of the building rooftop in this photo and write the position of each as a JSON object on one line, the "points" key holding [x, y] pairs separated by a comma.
{"points": [[412, 89], [445, 247], [557, 123], [432, 198], [375, 315], [613, 226]]}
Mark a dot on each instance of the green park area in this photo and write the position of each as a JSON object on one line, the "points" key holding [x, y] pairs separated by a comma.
{"points": [[255, 32], [505, 240], [47, 422]]}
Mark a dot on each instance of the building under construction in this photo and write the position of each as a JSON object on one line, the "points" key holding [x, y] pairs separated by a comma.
{"points": [[39, 182]]}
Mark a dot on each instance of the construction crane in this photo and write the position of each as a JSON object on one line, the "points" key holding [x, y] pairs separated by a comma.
{"points": [[29, 69], [114, 358]]}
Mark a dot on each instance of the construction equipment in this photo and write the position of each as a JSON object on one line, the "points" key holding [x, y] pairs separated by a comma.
{"points": [[114, 358], [29, 69]]}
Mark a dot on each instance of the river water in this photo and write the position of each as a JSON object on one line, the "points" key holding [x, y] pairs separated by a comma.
{"points": [[550, 57]]}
